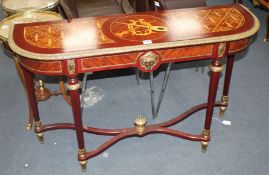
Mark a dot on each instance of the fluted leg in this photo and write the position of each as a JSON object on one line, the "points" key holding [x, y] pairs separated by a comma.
{"points": [[73, 85], [216, 68], [33, 103], [227, 81]]}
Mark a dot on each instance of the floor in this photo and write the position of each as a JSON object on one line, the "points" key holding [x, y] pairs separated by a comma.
{"points": [[239, 148]]}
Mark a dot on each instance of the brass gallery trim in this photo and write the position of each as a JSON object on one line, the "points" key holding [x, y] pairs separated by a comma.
{"points": [[73, 87], [48, 8], [108, 51], [30, 68]]}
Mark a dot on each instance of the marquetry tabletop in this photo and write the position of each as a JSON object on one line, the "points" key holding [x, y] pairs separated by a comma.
{"points": [[95, 36]]}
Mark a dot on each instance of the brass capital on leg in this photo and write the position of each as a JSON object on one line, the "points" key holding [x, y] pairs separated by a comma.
{"points": [[73, 87], [224, 101], [83, 164], [40, 136], [206, 134]]}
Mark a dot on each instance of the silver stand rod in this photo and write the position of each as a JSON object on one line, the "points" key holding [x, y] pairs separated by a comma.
{"points": [[152, 95], [164, 84], [165, 80]]}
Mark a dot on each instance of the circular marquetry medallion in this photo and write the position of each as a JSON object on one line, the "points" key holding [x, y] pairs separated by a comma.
{"points": [[139, 28]]}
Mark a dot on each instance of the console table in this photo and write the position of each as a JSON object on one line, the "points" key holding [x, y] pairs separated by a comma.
{"points": [[143, 40]]}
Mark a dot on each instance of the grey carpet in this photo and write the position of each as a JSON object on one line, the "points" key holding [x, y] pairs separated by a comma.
{"points": [[241, 148]]}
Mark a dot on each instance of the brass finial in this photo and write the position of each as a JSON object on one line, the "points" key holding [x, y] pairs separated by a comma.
{"points": [[140, 123], [42, 93]]}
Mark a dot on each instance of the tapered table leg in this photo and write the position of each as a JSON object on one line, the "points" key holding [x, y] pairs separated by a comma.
{"points": [[33, 103], [227, 81], [216, 68], [73, 85], [20, 73]]}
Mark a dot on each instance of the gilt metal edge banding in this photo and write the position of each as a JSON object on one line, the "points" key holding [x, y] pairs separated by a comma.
{"points": [[11, 12], [106, 51]]}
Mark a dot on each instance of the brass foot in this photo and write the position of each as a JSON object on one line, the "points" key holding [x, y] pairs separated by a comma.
{"points": [[206, 135], [204, 146], [83, 165], [222, 109], [29, 126], [40, 137], [41, 92]]}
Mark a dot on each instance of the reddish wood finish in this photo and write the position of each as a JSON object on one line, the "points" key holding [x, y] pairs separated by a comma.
{"points": [[75, 103], [42, 67], [28, 77], [97, 35], [228, 74], [120, 134], [213, 87], [61, 37]]}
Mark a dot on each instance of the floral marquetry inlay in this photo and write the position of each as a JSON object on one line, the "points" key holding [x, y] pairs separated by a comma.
{"points": [[62, 35], [137, 28], [206, 21]]}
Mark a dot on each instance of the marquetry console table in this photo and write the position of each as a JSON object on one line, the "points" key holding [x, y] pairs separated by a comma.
{"points": [[143, 40]]}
